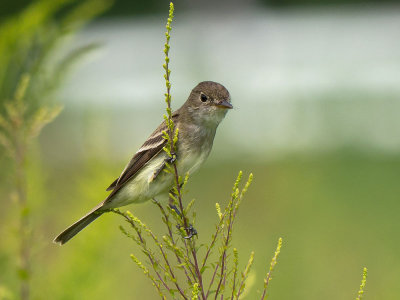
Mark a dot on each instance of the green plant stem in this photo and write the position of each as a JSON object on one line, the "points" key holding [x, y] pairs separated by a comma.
{"points": [[223, 262], [214, 239], [146, 251], [271, 268], [171, 132], [172, 238], [212, 280], [363, 283], [23, 227], [244, 275], [235, 269], [190, 242], [170, 270]]}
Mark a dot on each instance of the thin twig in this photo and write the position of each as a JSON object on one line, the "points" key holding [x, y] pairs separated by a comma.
{"points": [[363, 283], [24, 251], [171, 132], [236, 262], [146, 251], [223, 262], [212, 279], [271, 267], [245, 274], [172, 238], [213, 241]]}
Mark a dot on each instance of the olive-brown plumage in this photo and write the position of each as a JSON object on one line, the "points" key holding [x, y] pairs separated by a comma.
{"points": [[142, 179]]}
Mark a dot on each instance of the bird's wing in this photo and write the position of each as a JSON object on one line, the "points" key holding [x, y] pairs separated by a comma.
{"points": [[149, 149]]}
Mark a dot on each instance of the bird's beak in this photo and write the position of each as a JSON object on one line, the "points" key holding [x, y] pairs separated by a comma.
{"points": [[224, 104]]}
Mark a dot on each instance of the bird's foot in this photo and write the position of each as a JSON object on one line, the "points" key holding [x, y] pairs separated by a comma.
{"points": [[178, 212], [191, 231], [168, 160], [172, 158]]}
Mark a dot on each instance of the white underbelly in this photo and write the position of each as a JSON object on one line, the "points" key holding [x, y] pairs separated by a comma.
{"points": [[144, 186], [191, 163]]}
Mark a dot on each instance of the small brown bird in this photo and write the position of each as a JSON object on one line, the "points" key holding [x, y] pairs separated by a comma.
{"points": [[142, 179]]}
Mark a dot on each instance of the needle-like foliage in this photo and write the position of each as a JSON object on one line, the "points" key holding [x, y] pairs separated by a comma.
{"points": [[360, 293], [174, 259], [178, 267], [30, 72]]}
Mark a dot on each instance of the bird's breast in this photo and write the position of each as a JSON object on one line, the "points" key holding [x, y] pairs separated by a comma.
{"points": [[193, 149]]}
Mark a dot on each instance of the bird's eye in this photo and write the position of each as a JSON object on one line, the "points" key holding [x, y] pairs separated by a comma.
{"points": [[203, 98]]}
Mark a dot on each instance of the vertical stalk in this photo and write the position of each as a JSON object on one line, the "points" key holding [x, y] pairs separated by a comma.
{"points": [[171, 131], [23, 222]]}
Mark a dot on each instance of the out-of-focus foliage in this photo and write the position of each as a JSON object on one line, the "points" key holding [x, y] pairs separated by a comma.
{"points": [[337, 211], [362, 285], [29, 74], [324, 228], [121, 7], [28, 39], [137, 7], [30, 71], [280, 3], [223, 274]]}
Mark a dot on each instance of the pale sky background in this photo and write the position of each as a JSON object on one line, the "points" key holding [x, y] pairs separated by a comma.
{"points": [[300, 79]]}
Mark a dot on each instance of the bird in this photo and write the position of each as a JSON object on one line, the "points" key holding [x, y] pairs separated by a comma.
{"points": [[142, 179]]}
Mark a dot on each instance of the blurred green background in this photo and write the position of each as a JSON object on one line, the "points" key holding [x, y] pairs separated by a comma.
{"points": [[316, 90]]}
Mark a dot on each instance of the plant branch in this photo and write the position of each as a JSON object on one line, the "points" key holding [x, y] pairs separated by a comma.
{"points": [[271, 268], [362, 285], [143, 244], [167, 222], [172, 133]]}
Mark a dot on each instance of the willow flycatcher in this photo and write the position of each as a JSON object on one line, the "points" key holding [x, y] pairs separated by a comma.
{"points": [[197, 121]]}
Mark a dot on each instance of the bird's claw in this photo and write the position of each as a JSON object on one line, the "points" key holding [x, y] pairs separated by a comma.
{"points": [[190, 230], [172, 158], [173, 207]]}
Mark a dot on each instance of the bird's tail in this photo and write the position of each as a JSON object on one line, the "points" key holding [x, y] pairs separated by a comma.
{"points": [[75, 228]]}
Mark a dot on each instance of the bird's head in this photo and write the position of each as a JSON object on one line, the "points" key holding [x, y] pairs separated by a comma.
{"points": [[208, 102]]}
